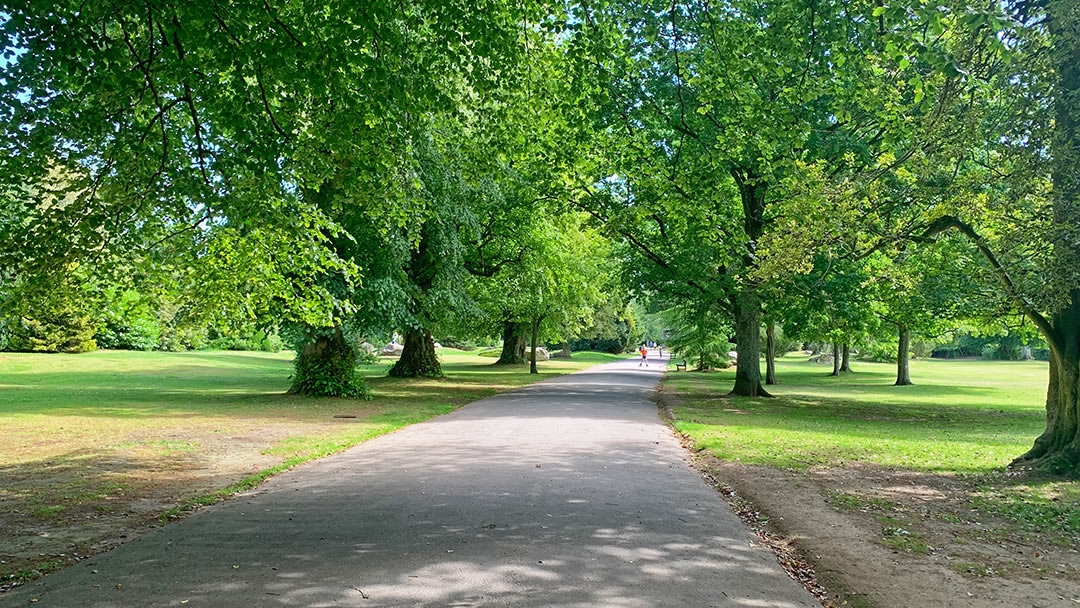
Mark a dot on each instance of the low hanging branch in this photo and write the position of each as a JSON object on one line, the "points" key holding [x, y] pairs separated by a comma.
{"points": [[947, 222]]}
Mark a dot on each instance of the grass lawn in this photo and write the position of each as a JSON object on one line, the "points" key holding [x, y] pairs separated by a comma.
{"points": [[96, 445], [924, 464], [960, 416]]}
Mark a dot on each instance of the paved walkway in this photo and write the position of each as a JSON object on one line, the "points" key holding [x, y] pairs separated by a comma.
{"points": [[569, 492]]}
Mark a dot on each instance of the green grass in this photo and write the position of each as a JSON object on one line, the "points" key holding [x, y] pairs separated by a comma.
{"points": [[897, 534], [966, 417], [57, 406], [851, 502], [1043, 507], [47, 512], [72, 398], [95, 435], [961, 416]]}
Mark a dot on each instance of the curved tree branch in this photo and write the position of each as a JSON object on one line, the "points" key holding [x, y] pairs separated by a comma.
{"points": [[947, 222]]}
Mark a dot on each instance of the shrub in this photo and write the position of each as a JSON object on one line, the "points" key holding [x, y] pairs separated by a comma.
{"points": [[882, 352], [65, 331], [7, 335], [179, 338], [468, 344], [257, 340], [135, 334], [921, 349], [266, 341], [179, 330], [1003, 351], [366, 357]]}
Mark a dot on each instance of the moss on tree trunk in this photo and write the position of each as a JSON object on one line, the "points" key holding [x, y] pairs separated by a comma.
{"points": [[513, 347], [1057, 450], [418, 358], [326, 367]]}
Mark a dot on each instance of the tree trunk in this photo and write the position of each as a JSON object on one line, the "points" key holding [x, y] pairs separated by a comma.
{"points": [[326, 367], [1057, 450], [770, 353], [532, 354], [513, 348], [845, 364], [748, 346], [418, 358], [745, 303], [903, 352], [566, 354], [835, 359]]}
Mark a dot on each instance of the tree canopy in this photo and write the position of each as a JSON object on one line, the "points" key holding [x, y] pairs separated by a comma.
{"points": [[840, 172]]}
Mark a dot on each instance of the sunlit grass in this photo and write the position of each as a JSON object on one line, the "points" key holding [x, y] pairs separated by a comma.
{"points": [[85, 433], [964, 416]]}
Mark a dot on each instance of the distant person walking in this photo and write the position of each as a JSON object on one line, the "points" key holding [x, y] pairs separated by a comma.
{"points": [[644, 356]]}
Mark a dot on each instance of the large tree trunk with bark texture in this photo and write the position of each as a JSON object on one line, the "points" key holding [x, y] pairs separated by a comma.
{"points": [[845, 361], [1057, 450], [748, 346], [566, 353], [745, 303], [835, 360], [903, 354], [770, 353], [513, 348], [418, 358]]}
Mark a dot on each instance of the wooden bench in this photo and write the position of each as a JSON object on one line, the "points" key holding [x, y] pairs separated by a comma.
{"points": [[681, 367]]}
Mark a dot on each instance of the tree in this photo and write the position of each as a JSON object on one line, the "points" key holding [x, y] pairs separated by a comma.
{"points": [[556, 285], [149, 124], [1013, 191], [1040, 274], [707, 111], [831, 303]]}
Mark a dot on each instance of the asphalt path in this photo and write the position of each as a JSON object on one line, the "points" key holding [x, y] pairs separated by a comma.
{"points": [[568, 492]]}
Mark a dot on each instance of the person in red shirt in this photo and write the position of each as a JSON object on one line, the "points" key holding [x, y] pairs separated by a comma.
{"points": [[644, 356]]}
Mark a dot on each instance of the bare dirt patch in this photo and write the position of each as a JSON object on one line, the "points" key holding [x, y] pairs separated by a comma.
{"points": [[97, 498], [897, 539]]}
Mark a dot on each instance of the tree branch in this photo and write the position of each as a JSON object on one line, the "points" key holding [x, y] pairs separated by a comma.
{"points": [[948, 222]]}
